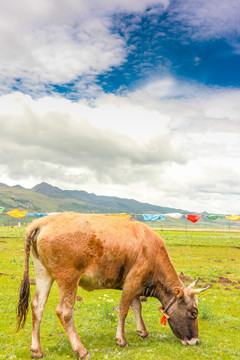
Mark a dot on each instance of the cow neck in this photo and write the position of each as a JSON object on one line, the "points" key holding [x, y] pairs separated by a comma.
{"points": [[166, 295], [167, 279]]}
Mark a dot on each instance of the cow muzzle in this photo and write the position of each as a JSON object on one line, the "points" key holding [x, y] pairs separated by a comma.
{"points": [[193, 341]]}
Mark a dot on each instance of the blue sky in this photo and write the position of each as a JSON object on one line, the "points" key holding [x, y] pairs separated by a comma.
{"points": [[134, 99], [192, 41], [157, 44]]}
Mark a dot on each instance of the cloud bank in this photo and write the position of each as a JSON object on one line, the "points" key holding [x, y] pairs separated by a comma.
{"points": [[152, 148]]}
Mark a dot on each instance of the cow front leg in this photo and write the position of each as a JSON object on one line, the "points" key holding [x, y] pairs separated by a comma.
{"points": [[124, 305], [67, 295], [137, 309], [128, 294]]}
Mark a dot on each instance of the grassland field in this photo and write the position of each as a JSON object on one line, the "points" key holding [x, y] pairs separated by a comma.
{"points": [[214, 256]]}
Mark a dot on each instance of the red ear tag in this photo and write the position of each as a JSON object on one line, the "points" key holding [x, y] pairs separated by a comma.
{"points": [[163, 320], [164, 317]]}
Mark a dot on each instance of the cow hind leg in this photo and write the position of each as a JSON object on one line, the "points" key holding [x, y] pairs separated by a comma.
{"points": [[137, 308], [67, 295], [43, 285]]}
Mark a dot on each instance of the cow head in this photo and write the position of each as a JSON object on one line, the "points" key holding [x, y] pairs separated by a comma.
{"points": [[182, 314]]}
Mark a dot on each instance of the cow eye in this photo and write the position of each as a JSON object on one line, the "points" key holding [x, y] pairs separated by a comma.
{"points": [[194, 314]]}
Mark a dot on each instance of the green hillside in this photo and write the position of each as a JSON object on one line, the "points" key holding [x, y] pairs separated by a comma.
{"points": [[48, 198], [22, 199], [12, 198]]}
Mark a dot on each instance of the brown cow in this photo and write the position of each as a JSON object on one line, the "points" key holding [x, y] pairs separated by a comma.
{"points": [[102, 252]]}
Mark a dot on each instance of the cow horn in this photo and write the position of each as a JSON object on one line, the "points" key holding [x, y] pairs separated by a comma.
{"points": [[197, 291], [190, 286]]}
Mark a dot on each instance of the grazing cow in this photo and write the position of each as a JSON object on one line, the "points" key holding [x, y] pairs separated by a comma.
{"points": [[103, 252]]}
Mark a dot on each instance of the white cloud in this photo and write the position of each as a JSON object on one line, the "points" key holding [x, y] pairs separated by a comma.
{"points": [[59, 54], [73, 136], [39, 48], [169, 87], [206, 19], [180, 152]]}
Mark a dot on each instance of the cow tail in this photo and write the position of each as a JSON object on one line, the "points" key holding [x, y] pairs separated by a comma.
{"points": [[24, 293]]}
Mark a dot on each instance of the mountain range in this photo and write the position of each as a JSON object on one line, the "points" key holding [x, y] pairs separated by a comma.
{"points": [[48, 198]]}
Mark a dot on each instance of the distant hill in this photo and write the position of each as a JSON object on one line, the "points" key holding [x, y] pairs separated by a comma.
{"points": [[105, 204], [3, 185], [47, 198]]}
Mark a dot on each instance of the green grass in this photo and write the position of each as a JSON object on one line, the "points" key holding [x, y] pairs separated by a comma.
{"points": [[209, 255]]}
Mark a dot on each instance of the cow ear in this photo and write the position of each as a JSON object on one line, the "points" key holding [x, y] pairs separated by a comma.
{"points": [[178, 292]]}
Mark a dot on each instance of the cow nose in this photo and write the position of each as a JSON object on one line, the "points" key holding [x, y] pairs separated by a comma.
{"points": [[193, 341]]}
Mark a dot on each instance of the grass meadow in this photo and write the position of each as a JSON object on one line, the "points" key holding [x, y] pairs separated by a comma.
{"points": [[214, 256]]}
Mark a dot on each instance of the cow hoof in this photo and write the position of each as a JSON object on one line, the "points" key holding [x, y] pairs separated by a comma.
{"points": [[121, 342], [86, 356], [143, 334], [36, 354]]}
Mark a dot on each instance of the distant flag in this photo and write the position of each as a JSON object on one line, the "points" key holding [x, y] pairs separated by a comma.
{"points": [[193, 218], [233, 217], [1, 209], [175, 216], [17, 213], [123, 215], [214, 217], [153, 217], [36, 214]]}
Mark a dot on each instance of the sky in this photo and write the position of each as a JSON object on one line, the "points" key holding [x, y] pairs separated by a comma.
{"points": [[137, 99]]}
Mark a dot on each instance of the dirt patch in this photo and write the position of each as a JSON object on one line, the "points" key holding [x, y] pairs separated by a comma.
{"points": [[185, 278], [208, 285], [2, 274], [224, 280], [79, 298], [32, 281]]}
